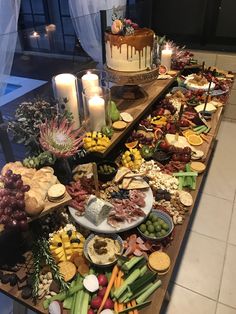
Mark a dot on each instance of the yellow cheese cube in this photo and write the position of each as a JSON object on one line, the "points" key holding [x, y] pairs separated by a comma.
{"points": [[75, 245], [53, 248], [68, 252], [58, 250], [67, 244], [56, 239]]}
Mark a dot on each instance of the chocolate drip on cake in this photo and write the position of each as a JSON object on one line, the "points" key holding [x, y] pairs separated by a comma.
{"points": [[139, 41]]}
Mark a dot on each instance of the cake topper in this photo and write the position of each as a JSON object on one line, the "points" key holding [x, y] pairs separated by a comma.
{"points": [[122, 26]]}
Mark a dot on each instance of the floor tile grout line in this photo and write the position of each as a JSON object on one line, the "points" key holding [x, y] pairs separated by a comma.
{"points": [[222, 198], [207, 236], [198, 293], [233, 308], [226, 248]]}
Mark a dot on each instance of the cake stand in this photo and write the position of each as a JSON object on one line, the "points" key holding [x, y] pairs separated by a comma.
{"points": [[128, 87]]}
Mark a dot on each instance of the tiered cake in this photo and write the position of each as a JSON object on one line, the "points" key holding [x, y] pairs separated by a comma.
{"points": [[130, 53]]}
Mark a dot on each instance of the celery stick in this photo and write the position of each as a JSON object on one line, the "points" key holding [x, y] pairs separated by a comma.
{"points": [[197, 128], [185, 174], [64, 294], [143, 270], [207, 130], [189, 181], [134, 296], [124, 296], [67, 304], [78, 302], [201, 130], [194, 184], [184, 181], [188, 168], [85, 303], [128, 265], [143, 297], [132, 277], [181, 183]]}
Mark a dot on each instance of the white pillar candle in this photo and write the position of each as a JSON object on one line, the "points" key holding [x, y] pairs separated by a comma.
{"points": [[65, 85], [89, 81], [97, 117], [166, 57]]}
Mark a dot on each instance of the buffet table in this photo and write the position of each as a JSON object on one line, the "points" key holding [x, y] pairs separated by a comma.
{"points": [[138, 108]]}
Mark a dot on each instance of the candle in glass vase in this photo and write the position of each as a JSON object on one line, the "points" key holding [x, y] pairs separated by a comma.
{"points": [[97, 116], [65, 87], [166, 57], [89, 81]]}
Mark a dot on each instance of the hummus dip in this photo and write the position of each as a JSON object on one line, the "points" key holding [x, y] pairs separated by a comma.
{"points": [[102, 250]]}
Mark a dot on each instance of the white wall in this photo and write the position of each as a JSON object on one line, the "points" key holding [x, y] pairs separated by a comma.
{"points": [[224, 61]]}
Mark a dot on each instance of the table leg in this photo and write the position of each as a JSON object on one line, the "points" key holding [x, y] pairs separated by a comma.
{"points": [[19, 308]]}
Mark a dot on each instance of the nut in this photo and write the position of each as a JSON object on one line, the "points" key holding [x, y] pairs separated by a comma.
{"points": [[180, 220], [174, 220], [52, 293], [49, 275], [41, 293]]}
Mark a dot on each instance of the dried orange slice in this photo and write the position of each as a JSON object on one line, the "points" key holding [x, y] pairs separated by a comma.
{"points": [[194, 140], [188, 132], [131, 144]]}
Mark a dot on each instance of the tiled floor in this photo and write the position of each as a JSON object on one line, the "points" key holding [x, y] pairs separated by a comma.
{"points": [[205, 280], [206, 275]]}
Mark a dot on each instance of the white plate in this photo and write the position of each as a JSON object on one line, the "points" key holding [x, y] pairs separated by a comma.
{"points": [[104, 227]]}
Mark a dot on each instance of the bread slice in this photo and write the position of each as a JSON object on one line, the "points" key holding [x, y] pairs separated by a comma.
{"points": [[122, 171], [136, 184]]}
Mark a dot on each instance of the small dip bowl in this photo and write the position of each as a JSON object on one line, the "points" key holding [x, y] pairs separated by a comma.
{"points": [[161, 156], [106, 170], [114, 237]]}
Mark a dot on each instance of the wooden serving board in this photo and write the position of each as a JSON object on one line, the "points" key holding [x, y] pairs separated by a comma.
{"points": [[51, 206], [137, 108]]}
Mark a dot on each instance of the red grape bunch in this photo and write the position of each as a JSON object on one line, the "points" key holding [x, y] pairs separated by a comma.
{"points": [[12, 203]]}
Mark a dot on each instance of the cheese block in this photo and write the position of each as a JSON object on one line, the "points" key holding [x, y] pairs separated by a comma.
{"points": [[97, 210]]}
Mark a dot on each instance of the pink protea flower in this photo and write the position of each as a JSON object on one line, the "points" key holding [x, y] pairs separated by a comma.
{"points": [[60, 139]]}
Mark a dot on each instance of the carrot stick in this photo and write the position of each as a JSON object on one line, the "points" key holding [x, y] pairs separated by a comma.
{"points": [[116, 307], [108, 289], [133, 303], [204, 137], [120, 274], [121, 307], [191, 123], [129, 305], [120, 281]]}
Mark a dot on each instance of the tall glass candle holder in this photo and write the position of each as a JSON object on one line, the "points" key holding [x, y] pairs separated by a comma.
{"points": [[96, 102], [166, 55], [88, 80], [65, 90]]}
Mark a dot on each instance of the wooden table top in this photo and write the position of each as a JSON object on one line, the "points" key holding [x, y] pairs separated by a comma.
{"points": [[153, 89]]}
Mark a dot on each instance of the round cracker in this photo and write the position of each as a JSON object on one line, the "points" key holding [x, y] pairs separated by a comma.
{"points": [[125, 116], [159, 261], [119, 125], [186, 198], [56, 191], [67, 269], [197, 166]]}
